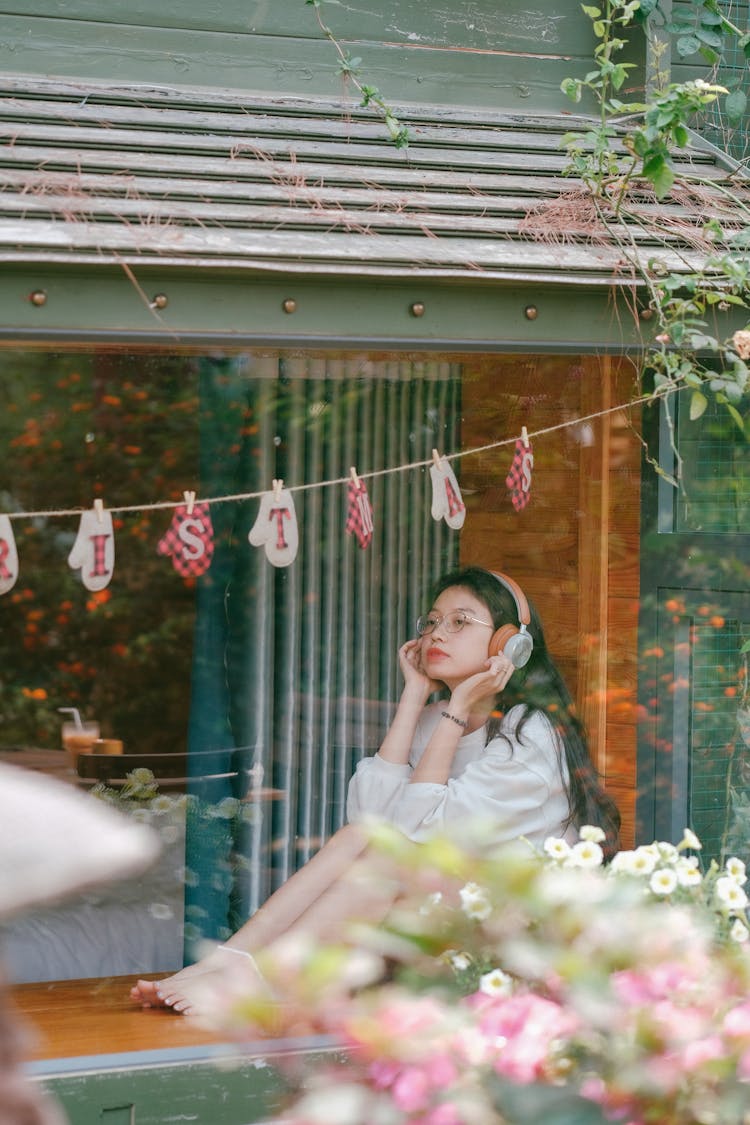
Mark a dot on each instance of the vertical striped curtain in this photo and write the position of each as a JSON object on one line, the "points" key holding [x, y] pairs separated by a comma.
{"points": [[298, 665]]}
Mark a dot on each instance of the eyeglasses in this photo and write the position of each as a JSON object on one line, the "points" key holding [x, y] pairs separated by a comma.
{"points": [[454, 622]]}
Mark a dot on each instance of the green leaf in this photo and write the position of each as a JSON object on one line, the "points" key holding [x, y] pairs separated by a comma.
{"points": [[687, 45], [698, 404], [660, 174], [710, 38], [740, 421], [681, 136], [591, 12], [735, 105], [532, 1103], [571, 87]]}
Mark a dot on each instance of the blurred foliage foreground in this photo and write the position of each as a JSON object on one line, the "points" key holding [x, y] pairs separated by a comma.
{"points": [[515, 987]]}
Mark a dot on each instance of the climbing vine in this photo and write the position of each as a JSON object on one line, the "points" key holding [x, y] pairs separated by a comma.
{"points": [[631, 145], [629, 148]]}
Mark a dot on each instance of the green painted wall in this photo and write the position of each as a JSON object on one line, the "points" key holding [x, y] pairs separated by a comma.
{"points": [[512, 54]]}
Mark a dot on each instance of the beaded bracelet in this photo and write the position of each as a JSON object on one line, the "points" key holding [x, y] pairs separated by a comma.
{"points": [[459, 722]]}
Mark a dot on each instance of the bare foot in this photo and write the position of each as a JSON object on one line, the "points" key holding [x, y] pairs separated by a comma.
{"points": [[191, 989], [148, 992]]}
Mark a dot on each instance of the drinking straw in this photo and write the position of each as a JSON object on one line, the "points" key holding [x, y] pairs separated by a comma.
{"points": [[75, 713]]}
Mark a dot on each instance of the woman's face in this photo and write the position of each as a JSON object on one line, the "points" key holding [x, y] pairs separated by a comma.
{"points": [[454, 656]]}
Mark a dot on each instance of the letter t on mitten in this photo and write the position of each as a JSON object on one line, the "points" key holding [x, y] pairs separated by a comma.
{"points": [[275, 527]]}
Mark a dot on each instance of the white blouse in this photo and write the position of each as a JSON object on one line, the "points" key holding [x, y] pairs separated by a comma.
{"points": [[517, 787]]}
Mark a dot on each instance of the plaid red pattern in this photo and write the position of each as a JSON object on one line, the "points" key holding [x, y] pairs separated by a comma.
{"points": [[518, 479], [359, 513], [189, 540]]}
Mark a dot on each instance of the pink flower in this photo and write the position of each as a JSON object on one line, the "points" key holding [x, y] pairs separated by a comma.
{"points": [[443, 1114], [737, 1021], [522, 1029], [701, 1051], [411, 1090]]}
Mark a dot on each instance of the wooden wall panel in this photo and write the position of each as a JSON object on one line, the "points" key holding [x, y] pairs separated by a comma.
{"points": [[575, 548], [464, 52]]}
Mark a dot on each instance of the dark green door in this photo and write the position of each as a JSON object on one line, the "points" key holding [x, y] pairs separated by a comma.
{"points": [[693, 759]]}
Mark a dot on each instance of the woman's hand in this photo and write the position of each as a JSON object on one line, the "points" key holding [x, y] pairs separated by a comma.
{"points": [[483, 685], [410, 663]]}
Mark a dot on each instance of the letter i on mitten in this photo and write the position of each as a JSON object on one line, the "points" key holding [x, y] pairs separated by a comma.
{"points": [[189, 540], [447, 503], [275, 527], [94, 549], [8, 556]]}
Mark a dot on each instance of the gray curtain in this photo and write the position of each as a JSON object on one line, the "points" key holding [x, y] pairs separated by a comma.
{"points": [[297, 666]]}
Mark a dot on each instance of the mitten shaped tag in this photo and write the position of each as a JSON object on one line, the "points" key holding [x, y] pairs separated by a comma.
{"points": [[8, 556], [93, 552], [518, 479], [275, 527], [189, 540], [446, 495], [359, 520]]}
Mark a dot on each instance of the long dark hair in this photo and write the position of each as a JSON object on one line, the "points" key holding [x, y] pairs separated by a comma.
{"points": [[539, 686]]}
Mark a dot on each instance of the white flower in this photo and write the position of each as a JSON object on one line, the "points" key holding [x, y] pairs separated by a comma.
{"points": [[688, 872], [593, 833], [460, 961], [474, 902], [556, 848], [586, 853], [496, 983], [667, 852], [644, 860], [739, 932], [161, 805], [690, 840], [735, 869], [663, 881], [622, 862], [730, 893]]}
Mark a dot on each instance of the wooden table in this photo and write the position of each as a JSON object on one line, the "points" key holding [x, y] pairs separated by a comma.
{"points": [[74, 1018]]}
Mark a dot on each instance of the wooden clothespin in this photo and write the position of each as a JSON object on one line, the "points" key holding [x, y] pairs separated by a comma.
{"points": [[436, 458], [277, 487], [99, 509], [525, 437], [189, 502], [355, 478]]}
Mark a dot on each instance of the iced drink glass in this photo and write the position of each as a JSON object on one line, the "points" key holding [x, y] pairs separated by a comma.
{"points": [[79, 739]]}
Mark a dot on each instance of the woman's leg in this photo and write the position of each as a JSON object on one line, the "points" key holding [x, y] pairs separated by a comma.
{"points": [[275, 918]]}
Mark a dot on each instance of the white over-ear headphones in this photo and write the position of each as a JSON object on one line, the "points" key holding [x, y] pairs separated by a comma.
{"points": [[516, 644]]}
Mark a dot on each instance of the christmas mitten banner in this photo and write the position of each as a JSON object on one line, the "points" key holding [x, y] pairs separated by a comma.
{"points": [[446, 495], [518, 479], [93, 552], [189, 540], [359, 513], [8, 556], [275, 527]]}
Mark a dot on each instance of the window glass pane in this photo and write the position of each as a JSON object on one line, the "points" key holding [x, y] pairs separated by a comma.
{"points": [[248, 659]]}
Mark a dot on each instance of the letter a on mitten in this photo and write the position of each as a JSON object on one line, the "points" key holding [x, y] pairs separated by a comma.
{"points": [[275, 527], [447, 503], [93, 552], [189, 540], [8, 556]]}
